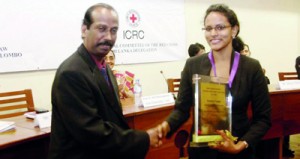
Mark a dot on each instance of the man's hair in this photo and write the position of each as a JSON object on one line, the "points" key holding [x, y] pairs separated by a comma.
{"points": [[194, 49], [88, 19]]}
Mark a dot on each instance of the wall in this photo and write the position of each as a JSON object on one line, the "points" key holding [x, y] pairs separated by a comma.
{"points": [[270, 27]]}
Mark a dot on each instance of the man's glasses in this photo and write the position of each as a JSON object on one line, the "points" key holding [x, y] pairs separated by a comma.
{"points": [[217, 28]]}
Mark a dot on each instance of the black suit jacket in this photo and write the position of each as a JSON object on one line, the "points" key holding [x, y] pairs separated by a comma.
{"points": [[249, 85], [87, 119]]}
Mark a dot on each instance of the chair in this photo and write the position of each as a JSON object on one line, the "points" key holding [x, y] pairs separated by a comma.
{"points": [[173, 84], [16, 103], [287, 76]]}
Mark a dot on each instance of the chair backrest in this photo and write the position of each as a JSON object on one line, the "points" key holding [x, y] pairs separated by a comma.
{"points": [[173, 84], [287, 76], [16, 103]]}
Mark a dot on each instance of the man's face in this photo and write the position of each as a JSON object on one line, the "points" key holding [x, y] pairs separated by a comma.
{"points": [[102, 34]]}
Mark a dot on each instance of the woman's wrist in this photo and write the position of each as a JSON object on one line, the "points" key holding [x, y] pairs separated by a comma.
{"points": [[246, 144], [242, 145], [166, 127]]}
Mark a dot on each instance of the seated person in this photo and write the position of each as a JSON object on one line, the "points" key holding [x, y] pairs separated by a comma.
{"points": [[297, 66], [196, 49], [246, 50], [124, 79]]}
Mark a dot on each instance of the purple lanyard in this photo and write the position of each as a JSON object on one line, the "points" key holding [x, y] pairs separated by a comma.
{"points": [[233, 69]]}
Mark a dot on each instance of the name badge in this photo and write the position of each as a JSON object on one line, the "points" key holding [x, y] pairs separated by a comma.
{"points": [[289, 84], [156, 100]]}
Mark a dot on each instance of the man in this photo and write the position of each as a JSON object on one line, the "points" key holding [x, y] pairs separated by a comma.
{"points": [[87, 119], [196, 49]]}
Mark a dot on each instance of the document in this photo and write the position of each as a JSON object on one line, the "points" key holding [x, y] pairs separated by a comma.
{"points": [[6, 126], [43, 120], [30, 115]]}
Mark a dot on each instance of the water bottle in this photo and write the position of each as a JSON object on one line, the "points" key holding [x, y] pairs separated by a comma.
{"points": [[137, 93]]}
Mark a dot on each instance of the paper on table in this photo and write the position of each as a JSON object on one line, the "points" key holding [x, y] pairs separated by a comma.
{"points": [[160, 99], [43, 120], [30, 115], [6, 126]]}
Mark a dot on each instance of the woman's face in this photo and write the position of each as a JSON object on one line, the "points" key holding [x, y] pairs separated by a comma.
{"points": [[110, 59], [245, 51], [218, 31]]}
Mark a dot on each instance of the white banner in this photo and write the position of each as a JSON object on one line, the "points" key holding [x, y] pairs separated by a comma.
{"points": [[41, 34]]}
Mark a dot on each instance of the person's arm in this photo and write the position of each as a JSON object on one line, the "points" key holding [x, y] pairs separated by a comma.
{"points": [[183, 103], [260, 105]]}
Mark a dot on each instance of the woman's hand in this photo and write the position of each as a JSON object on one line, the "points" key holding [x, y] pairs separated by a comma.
{"points": [[227, 145], [122, 86]]}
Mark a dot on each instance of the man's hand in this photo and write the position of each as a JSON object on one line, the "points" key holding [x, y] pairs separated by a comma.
{"points": [[155, 140], [163, 129]]}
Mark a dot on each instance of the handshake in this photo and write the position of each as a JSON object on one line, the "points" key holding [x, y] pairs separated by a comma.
{"points": [[157, 133]]}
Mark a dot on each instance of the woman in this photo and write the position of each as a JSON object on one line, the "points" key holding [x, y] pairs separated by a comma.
{"points": [[124, 79], [221, 27], [246, 51]]}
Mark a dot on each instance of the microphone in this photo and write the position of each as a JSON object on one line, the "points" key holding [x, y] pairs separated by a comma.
{"points": [[162, 73]]}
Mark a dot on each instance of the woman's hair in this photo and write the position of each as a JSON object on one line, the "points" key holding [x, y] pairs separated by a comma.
{"points": [[247, 47], [194, 49], [112, 51], [231, 17], [238, 45]]}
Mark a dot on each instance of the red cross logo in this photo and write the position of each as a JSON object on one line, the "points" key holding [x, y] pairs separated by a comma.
{"points": [[133, 18]]}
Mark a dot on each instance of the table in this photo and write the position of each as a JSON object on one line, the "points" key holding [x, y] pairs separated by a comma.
{"points": [[26, 141], [146, 118], [285, 121]]}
